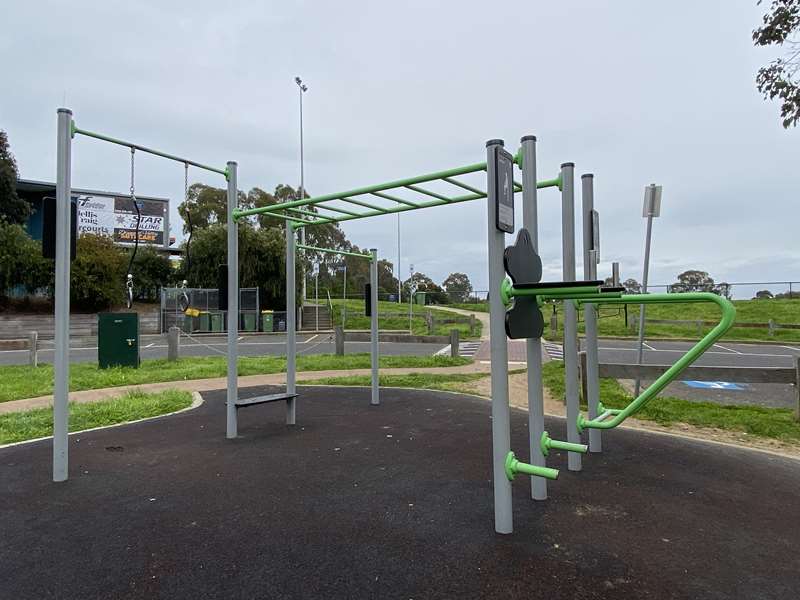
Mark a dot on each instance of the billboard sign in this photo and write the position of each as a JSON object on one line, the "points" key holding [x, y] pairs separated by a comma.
{"points": [[115, 216]]}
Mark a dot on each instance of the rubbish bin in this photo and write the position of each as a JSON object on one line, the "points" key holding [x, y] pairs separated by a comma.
{"points": [[266, 320], [217, 322], [118, 340], [419, 298], [249, 321], [204, 321]]}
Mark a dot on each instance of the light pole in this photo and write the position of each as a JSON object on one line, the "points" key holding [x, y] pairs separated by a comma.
{"points": [[651, 209], [301, 192]]}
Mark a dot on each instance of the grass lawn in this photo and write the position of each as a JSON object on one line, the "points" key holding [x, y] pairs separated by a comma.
{"points": [[774, 423], [612, 319], [23, 381], [20, 426], [394, 316]]}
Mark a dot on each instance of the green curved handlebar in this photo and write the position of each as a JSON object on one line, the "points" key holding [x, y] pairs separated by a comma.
{"points": [[725, 323]]}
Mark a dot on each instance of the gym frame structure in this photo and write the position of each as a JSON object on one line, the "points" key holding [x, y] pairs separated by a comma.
{"points": [[515, 300]]}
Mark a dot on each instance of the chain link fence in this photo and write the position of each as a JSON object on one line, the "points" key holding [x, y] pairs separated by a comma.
{"points": [[209, 317]]}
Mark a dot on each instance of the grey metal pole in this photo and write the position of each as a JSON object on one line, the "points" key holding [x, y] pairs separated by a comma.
{"points": [[302, 88], [61, 357], [291, 335], [590, 311], [645, 273], [373, 323], [615, 274], [316, 298], [501, 418], [570, 313], [533, 346], [399, 275], [233, 306]]}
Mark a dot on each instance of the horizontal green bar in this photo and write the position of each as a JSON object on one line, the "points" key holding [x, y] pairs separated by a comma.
{"points": [[725, 323], [332, 251], [394, 199], [368, 189], [362, 203], [420, 190], [514, 466], [336, 209], [185, 161], [549, 183], [463, 185]]}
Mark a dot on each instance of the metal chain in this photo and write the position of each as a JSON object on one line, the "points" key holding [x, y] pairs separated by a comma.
{"points": [[186, 182], [133, 174]]}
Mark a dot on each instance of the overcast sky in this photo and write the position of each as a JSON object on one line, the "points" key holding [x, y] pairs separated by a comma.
{"points": [[634, 92]]}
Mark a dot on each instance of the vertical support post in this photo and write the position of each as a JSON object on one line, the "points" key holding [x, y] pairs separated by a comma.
{"points": [[173, 343], [61, 358], [590, 373], [645, 273], [533, 346], [797, 388], [570, 312], [233, 306], [373, 326], [291, 330], [339, 340], [454, 343], [615, 274], [33, 348], [501, 417]]}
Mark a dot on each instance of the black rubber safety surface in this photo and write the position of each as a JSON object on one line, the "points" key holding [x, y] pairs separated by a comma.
{"points": [[382, 502]]}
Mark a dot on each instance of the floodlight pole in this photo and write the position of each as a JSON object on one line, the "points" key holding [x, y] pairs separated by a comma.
{"points": [[652, 208], [63, 244]]}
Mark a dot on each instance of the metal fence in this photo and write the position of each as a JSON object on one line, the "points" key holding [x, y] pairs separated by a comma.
{"points": [[210, 318]]}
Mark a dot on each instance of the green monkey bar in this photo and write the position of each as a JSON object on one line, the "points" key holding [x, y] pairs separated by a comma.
{"points": [[332, 251], [356, 199], [584, 295]]}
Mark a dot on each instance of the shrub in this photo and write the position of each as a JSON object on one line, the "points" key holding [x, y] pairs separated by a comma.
{"points": [[97, 274]]}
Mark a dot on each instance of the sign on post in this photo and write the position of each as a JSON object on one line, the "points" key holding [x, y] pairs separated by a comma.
{"points": [[504, 167], [652, 201]]}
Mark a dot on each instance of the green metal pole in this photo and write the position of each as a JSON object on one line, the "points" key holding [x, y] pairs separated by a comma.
{"points": [[514, 466], [106, 138]]}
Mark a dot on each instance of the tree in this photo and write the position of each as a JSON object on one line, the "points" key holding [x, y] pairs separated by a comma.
{"points": [[763, 295], [458, 287], [206, 205], [433, 293], [21, 262], [779, 79], [632, 286], [12, 208], [151, 271], [693, 281], [97, 273]]}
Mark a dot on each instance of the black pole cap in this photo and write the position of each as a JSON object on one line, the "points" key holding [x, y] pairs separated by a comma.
{"points": [[527, 138], [587, 175], [568, 164], [495, 143]]}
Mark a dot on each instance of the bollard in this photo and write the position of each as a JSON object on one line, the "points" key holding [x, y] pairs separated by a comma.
{"points": [[33, 348], [173, 343], [339, 334], [431, 324], [554, 324], [454, 343], [797, 388], [472, 324], [771, 325]]}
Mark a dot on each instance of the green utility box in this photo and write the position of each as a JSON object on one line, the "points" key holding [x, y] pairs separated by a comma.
{"points": [[266, 320], [217, 322], [249, 321], [118, 340]]}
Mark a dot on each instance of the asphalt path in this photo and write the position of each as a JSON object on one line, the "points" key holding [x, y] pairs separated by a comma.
{"points": [[720, 355], [155, 346]]}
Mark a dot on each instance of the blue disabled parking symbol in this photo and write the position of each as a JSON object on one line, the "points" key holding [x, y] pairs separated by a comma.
{"points": [[716, 385]]}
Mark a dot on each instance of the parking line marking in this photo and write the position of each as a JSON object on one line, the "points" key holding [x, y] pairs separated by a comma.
{"points": [[729, 349], [648, 346]]}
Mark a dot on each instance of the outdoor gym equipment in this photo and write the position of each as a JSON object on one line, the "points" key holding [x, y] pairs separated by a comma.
{"points": [[135, 203], [67, 130]]}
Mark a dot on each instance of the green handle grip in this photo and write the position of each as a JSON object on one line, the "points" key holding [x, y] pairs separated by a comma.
{"points": [[513, 466], [546, 443]]}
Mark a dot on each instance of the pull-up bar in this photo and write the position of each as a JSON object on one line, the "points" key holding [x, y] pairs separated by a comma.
{"points": [[332, 251], [105, 138]]}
